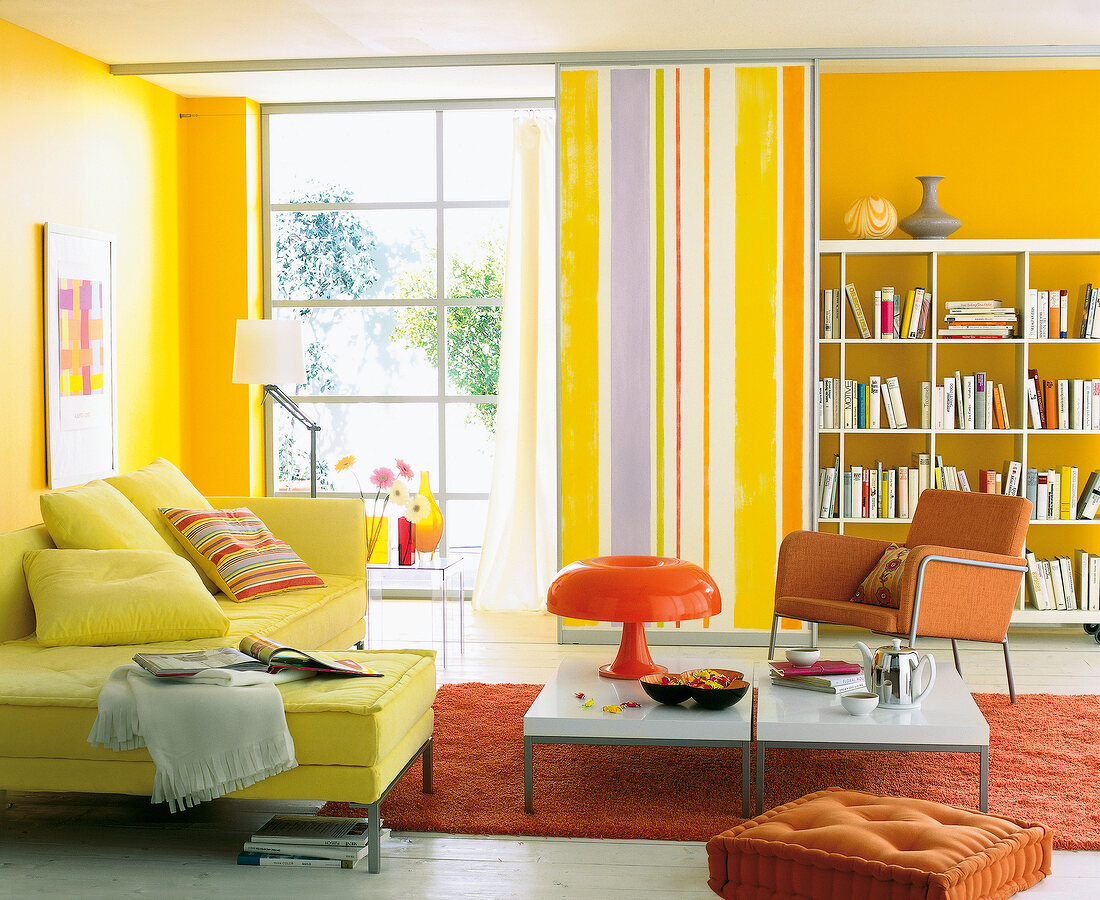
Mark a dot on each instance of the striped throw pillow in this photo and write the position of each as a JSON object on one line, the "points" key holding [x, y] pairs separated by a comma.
{"points": [[237, 551]]}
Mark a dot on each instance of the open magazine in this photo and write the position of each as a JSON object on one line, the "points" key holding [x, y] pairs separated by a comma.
{"points": [[254, 654]]}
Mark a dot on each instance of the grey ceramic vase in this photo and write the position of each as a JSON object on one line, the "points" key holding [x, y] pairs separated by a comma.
{"points": [[929, 222]]}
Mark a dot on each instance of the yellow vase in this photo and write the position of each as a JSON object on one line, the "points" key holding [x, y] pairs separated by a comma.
{"points": [[378, 546], [430, 528]]}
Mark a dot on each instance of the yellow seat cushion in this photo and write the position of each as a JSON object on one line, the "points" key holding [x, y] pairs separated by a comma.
{"points": [[111, 597], [161, 484], [47, 710], [96, 516]]}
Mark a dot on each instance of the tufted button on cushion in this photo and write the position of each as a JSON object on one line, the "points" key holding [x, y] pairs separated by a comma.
{"points": [[844, 844]]}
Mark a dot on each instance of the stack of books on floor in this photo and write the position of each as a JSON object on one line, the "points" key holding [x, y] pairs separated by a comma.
{"points": [[829, 676], [319, 841]]}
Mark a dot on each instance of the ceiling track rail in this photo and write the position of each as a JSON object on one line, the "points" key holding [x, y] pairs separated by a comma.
{"points": [[624, 57]]}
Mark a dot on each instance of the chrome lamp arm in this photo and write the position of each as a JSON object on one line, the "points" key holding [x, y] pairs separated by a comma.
{"points": [[284, 400]]}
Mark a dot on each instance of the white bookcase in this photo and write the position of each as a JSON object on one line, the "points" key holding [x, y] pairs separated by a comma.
{"points": [[939, 265]]}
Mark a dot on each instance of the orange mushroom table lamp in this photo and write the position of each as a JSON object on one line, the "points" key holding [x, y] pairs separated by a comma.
{"points": [[633, 590]]}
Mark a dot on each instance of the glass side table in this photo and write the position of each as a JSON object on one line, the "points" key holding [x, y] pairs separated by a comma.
{"points": [[445, 576]]}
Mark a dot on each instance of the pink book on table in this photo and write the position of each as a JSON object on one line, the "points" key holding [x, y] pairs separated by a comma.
{"points": [[821, 667]]}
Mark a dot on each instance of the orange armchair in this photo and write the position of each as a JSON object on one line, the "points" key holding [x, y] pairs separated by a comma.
{"points": [[960, 580]]}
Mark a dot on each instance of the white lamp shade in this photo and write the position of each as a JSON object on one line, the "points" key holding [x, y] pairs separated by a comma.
{"points": [[269, 351]]}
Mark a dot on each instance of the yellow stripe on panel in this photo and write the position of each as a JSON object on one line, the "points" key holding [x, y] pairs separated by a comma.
{"points": [[723, 369], [757, 224], [795, 239], [579, 407], [667, 284], [692, 289], [603, 307]]}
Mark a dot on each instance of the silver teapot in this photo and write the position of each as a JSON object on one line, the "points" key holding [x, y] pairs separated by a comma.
{"points": [[894, 674]]}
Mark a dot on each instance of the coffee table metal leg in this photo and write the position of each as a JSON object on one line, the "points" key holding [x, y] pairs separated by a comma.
{"points": [[528, 784], [461, 610], [759, 777], [443, 598], [983, 789], [746, 800]]}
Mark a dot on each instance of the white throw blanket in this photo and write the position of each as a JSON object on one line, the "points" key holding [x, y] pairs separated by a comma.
{"points": [[208, 734]]}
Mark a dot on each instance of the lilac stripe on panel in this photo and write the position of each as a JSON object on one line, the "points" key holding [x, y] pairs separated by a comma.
{"points": [[631, 409]]}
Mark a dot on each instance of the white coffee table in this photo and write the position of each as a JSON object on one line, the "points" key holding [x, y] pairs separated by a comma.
{"points": [[948, 721], [557, 716]]}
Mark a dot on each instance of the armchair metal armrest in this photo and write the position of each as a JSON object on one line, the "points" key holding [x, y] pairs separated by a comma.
{"points": [[951, 583]]}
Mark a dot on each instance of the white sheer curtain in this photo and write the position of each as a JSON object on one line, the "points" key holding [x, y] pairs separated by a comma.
{"points": [[519, 558]]}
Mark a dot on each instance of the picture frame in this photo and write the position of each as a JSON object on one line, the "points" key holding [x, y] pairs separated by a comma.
{"points": [[79, 355]]}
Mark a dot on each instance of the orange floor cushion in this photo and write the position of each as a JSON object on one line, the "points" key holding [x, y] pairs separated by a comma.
{"points": [[837, 845]]}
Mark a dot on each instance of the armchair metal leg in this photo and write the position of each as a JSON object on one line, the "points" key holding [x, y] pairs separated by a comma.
{"points": [[1008, 670], [771, 646], [955, 651]]}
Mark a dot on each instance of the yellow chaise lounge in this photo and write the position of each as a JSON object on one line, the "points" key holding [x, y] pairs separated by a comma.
{"points": [[353, 738]]}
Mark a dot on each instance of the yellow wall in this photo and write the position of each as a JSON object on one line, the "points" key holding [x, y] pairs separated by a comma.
{"points": [[84, 148], [220, 249], [1016, 149]]}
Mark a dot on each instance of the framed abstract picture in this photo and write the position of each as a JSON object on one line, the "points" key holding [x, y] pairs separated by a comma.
{"points": [[79, 329]]}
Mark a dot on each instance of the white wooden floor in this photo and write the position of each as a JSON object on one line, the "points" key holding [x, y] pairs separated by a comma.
{"points": [[88, 846]]}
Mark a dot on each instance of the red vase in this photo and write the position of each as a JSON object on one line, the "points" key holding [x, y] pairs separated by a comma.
{"points": [[406, 542]]}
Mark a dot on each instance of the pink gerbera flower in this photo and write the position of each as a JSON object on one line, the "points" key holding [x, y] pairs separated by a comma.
{"points": [[382, 477], [403, 468]]}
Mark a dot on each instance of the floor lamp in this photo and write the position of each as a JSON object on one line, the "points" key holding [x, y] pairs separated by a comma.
{"points": [[269, 352]]}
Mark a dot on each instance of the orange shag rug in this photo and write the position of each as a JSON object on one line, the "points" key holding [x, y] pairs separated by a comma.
{"points": [[1042, 768]]}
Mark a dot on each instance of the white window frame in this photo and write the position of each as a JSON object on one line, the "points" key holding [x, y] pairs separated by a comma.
{"points": [[441, 302]]}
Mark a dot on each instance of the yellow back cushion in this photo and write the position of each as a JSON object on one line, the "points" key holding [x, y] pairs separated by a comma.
{"points": [[113, 597], [96, 516], [161, 484]]}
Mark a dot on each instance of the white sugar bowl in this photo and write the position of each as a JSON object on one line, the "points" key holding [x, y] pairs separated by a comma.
{"points": [[803, 657], [859, 703]]}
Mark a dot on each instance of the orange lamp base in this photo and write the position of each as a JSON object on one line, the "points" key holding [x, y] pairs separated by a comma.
{"points": [[633, 659]]}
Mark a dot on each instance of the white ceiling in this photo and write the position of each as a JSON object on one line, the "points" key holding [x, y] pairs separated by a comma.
{"points": [[157, 31]]}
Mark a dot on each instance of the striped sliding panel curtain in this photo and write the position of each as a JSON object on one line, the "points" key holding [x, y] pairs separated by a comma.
{"points": [[684, 243]]}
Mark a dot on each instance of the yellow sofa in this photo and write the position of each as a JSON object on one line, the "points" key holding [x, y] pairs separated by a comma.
{"points": [[353, 737]]}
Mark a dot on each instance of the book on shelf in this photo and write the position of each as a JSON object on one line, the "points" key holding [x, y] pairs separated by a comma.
{"points": [[1063, 313], [326, 831], [876, 316], [888, 406], [1089, 501], [978, 319], [893, 391], [1053, 314], [253, 654], [912, 299], [827, 315], [874, 402], [1012, 473], [857, 310], [1064, 582], [886, 314]]}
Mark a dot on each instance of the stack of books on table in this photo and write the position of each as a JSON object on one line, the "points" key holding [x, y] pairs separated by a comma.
{"points": [[829, 676], [319, 841]]}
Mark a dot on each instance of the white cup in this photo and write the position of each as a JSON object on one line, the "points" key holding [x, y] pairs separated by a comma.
{"points": [[859, 703]]}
